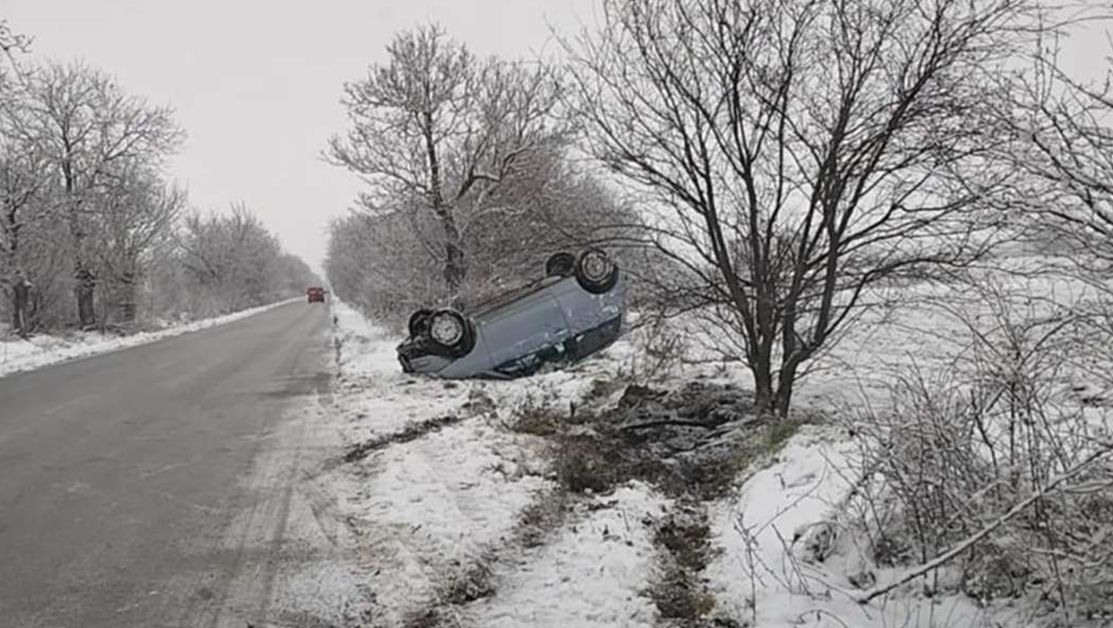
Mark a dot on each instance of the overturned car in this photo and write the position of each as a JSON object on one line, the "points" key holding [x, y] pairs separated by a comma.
{"points": [[574, 311]]}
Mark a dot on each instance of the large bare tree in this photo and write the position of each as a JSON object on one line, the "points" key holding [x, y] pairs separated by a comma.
{"points": [[87, 126], [437, 129], [795, 153]]}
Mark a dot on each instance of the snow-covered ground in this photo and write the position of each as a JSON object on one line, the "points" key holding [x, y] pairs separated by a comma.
{"points": [[444, 511], [437, 508], [18, 355], [592, 574], [436, 513], [763, 530]]}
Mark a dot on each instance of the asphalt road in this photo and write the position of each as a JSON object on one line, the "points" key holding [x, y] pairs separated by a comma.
{"points": [[145, 487]]}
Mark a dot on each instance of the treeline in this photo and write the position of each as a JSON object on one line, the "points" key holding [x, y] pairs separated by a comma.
{"points": [[93, 232]]}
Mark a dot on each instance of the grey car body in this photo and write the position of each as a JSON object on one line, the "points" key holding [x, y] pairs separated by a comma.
{"points": [[554, 321]]}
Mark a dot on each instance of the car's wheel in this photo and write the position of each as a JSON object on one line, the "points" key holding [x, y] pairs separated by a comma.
{"points": [[419, 322], [451, 333], [560, 265], [595, 271]]}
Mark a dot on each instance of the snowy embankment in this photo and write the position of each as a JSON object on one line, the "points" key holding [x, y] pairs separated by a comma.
{"points": [[449, 504], [465, 521], [19, 355]]}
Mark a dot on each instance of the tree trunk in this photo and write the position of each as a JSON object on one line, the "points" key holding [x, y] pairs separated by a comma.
{"points": [[763, 386], [21, 299], [84, 291], [783, 398], [454, 269], [772, 398], [86, 281], [125, 299]]}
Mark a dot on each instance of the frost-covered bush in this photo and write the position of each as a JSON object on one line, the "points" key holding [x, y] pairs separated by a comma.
{"points": [[1005, 455]]}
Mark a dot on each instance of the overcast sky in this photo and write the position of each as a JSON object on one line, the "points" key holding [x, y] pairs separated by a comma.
{"points": [[256, 83]]}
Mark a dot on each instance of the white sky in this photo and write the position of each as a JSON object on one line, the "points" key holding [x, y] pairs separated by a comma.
{"points": [[256, 83]]}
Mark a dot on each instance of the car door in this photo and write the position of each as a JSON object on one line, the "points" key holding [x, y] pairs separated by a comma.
{"points": [[524, 326]]}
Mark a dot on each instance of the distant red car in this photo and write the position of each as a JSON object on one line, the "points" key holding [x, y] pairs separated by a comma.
{"points": [[315, 294]]}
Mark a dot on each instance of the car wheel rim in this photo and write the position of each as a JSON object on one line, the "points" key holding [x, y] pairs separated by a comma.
{"points": [[595, 266], [446, 330]]}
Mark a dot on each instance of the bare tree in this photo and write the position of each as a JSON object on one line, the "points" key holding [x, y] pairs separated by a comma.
{"points": [[19, 180], [134, 214], [436, 129], [1064, 146], [796, 153], [86, 125], [22, 187]]}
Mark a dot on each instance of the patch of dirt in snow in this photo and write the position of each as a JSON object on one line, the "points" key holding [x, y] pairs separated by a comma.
{"points": [[682, 539], [687, 445], [412, 431], [690, 441]]}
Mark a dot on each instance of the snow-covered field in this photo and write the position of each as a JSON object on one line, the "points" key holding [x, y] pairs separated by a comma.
{"points": [[442, 503], [18, 355]]}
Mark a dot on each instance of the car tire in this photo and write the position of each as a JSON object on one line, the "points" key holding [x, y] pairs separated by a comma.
{"points": [[419, 322], [451, 333], [595, 271], [560, 265]]}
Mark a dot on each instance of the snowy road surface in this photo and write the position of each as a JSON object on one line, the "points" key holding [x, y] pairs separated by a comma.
{"points": [[152, 486]]}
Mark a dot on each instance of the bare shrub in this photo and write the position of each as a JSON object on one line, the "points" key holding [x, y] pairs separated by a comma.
{"points": [[660, 347], [992, 466]]}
